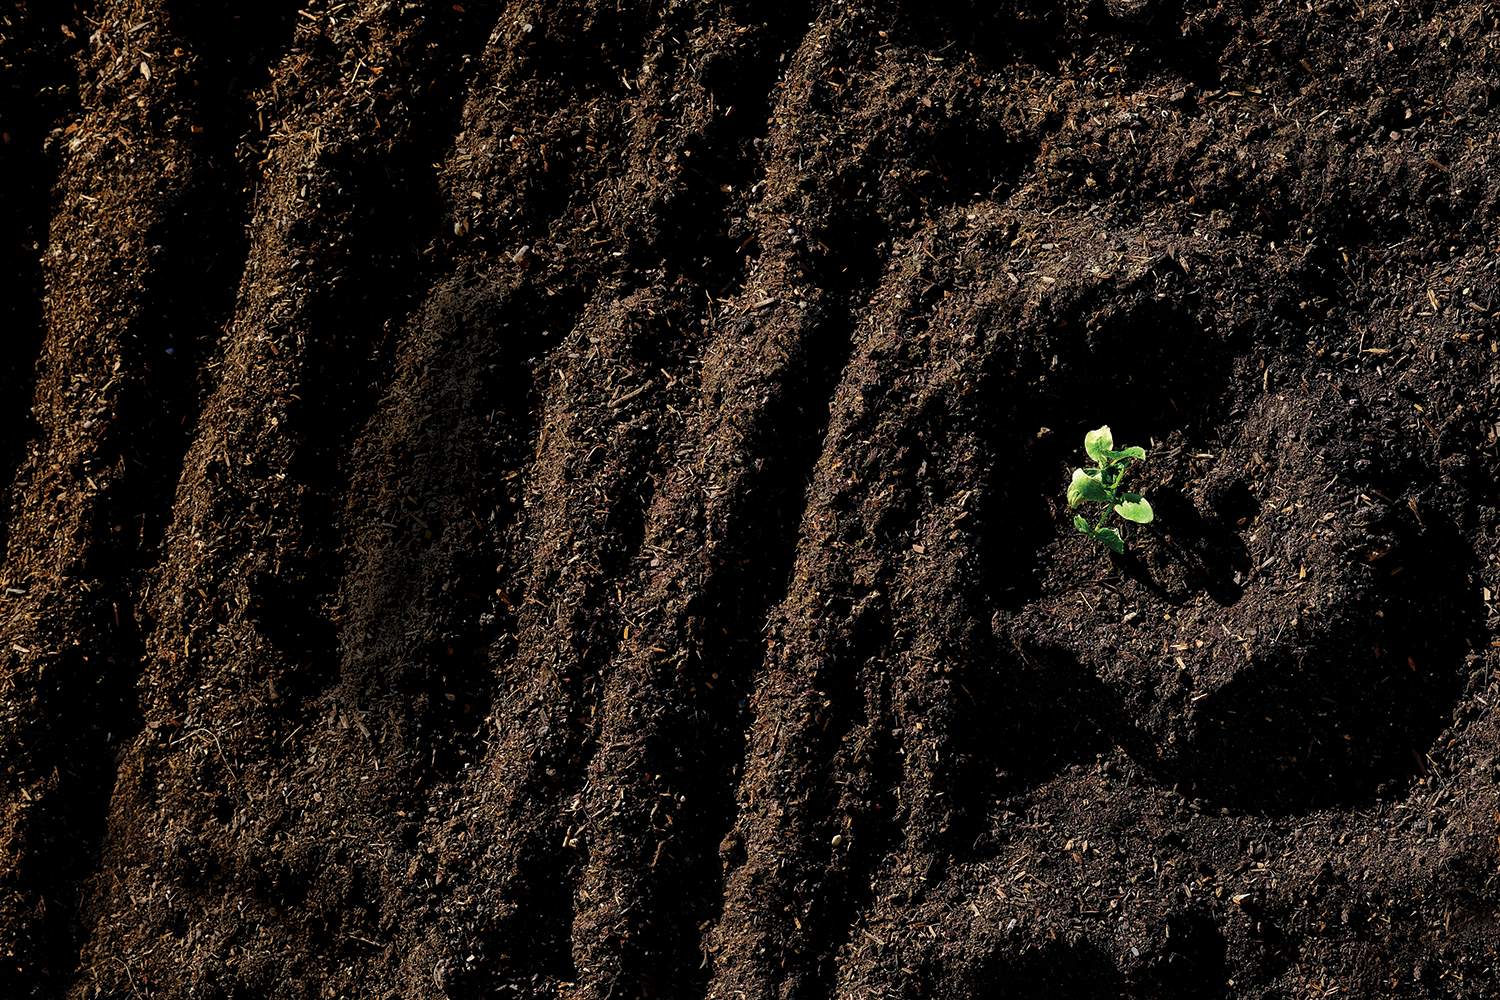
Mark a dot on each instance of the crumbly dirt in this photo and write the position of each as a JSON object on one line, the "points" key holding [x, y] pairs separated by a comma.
{"points": [[565, 500]]}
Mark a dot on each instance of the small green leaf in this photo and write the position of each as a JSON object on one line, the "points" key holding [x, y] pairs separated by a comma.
{"points": [[1082, 526], [1075, 487], [1111, 537], [1133, 452], [1098, 443], [1134, 507], [1086, 487]]}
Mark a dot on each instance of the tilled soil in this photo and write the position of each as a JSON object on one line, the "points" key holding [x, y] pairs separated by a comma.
{"points": [[566, 499]]}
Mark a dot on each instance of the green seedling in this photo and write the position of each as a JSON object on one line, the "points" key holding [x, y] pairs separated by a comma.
{"points": [[1102, 485]]}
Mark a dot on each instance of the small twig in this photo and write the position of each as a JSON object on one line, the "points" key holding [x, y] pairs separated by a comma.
{"points": [[620, 401]]}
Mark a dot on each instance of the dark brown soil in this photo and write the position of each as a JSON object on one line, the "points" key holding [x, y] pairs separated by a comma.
{"points": [[566, 499]]}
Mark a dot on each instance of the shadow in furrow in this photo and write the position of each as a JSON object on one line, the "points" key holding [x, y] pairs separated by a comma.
{"points": [[370, 208], [750, 579], [169, 316], [33, 110], [692, 743]]}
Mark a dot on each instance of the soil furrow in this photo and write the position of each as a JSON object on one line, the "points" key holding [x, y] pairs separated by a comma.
{"points": [[723, 528], [38, 58], [115, 392], [249, 640], [568, 499]]}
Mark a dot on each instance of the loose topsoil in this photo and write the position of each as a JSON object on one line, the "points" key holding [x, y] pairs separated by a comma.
{"points": [[565, 499]]}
